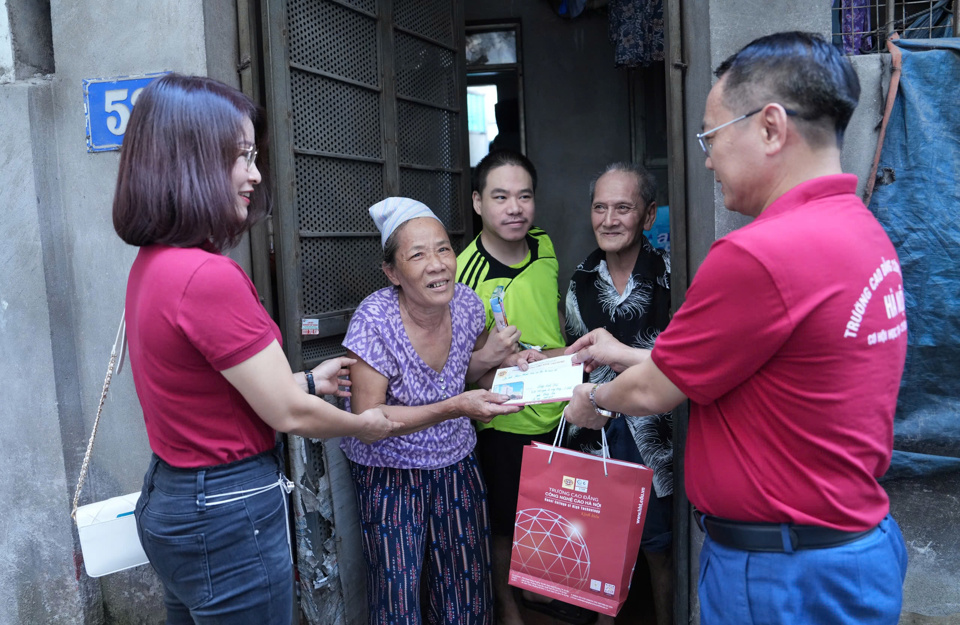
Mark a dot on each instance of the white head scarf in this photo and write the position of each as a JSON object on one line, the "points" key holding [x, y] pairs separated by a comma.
{"points": [[394, 211]]}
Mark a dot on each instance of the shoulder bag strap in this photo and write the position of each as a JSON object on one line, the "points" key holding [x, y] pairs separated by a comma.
{"points": [[116, 360]]}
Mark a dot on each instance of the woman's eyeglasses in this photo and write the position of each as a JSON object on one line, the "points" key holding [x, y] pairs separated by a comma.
{"points": [[249, 154]]}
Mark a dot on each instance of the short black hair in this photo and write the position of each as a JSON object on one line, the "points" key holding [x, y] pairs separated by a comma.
{"points": [[801, 71], [499, 158], [646, 182], [174, 183]]}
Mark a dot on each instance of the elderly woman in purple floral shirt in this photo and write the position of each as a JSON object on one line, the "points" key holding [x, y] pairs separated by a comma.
{"points": [[420, 492]]}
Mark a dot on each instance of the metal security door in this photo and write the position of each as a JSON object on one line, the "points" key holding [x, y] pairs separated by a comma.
{"points": [[364, 99]]}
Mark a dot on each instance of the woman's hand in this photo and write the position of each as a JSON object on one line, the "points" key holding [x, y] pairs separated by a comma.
{"points": [[523, 359], [374, 426], [501, 343], [490, 350], [330, 375], [483, 406]]}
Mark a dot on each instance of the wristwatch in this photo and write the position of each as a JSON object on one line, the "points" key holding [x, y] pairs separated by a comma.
{"points": [[600, 411]]}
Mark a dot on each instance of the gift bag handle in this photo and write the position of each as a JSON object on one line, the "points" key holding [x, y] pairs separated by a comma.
{"points": [[116, 360], [561, 428]]}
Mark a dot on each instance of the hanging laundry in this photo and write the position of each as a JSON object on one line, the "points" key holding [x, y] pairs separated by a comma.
{"points": [[855, 25], [636, 30]]}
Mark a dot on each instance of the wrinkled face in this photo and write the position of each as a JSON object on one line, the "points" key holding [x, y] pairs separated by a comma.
{"points": [[618, 214], [506, 205], [244, 178], [736, 155], [425, 266]]}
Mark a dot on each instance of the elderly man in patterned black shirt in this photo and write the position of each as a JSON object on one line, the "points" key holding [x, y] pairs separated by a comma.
{"points": [[624, 287]]}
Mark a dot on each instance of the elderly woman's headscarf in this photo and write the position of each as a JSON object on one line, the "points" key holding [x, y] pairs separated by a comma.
{"points": [[394, 211]]}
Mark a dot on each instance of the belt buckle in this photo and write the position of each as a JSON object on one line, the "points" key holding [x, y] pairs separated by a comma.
{"points": [[792, 534]]}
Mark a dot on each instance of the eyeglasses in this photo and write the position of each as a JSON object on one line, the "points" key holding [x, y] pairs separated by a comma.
{"points": [[705, 146], [249, 154]]}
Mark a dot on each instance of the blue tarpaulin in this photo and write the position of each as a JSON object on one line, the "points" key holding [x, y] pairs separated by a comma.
{"points": [[917, 199]]}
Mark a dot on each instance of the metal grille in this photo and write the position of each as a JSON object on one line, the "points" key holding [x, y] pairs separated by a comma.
{"points": [[336, 117], [428, 136], [430, 19], [457, 242], [370, 6], [326, 204], [426, 72], [322, 349], [440, 190], [317, 34], [337, 273], [862, 26], [341, 166]]}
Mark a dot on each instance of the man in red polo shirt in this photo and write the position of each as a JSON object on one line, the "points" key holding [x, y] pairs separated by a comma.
{"points": [[790, 347]]}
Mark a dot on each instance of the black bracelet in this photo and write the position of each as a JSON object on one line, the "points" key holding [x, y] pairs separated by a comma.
{"points": [[311, 387]]}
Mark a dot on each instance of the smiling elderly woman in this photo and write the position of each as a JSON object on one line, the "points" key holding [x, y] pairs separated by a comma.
{"points": [[416, 344]]}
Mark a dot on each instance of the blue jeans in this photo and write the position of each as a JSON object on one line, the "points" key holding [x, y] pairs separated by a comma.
{"points": [[858, 583], [219, 563]]}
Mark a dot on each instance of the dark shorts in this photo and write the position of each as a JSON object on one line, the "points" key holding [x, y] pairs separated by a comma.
{"points": [[658, 525], [500, 455]]}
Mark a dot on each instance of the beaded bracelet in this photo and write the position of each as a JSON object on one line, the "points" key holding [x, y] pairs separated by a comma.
{"points": [[311, 387]]}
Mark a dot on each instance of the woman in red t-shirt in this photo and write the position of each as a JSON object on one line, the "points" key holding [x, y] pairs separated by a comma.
{"points": [[212, 379]]}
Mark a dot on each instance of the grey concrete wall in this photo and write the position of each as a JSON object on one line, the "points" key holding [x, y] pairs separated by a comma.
{"points": [[860, 140], [733, 25], [576, 113], [91, 40], [31, 37], [38, 581], [62, 280]]}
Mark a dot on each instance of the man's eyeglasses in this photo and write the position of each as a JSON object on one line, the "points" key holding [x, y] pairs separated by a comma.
{"points": [[249, 154], [705, 145]]}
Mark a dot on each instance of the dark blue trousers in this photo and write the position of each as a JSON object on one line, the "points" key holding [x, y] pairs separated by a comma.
{"points": [[409, 515]]}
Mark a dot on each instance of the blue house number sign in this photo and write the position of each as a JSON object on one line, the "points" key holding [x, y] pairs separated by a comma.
{"points": [[108, 103]]}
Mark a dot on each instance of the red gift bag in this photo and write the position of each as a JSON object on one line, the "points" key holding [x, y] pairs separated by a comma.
{"points": [[579, 521]]}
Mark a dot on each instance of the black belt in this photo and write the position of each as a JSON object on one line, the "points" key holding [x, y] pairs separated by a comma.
{"points": [[770, 536]]}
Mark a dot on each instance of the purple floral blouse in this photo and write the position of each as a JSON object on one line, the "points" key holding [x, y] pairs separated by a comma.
{"points": [[376, 334]]}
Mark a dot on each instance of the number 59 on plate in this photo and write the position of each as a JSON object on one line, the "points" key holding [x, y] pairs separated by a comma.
{"points": [[108, 103]]}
